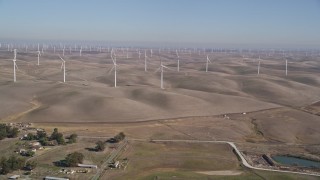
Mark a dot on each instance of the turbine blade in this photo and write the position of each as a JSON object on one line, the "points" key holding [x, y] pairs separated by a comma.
{"points": [[111, 70], [157, 69], [165, 66]]}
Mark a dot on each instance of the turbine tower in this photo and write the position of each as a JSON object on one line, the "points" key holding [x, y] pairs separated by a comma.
{"points": [[127, 54], [259, 66], [208, 61], [81, 51], [178, 65], [161, 78], [114, 59], [161, 83], [63, 65], [14, 65], [145, 60], [286, 67], [39, 54]]}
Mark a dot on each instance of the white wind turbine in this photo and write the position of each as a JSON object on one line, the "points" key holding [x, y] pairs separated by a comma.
{"points": [[14, 65], [81, 51], [127, 54], [54, 49], [161, 69], [114, 59], [178, 65], [259, 66], [39, 54], [208, 61], [145, 60], [139, 54], [63, 65], [286, 67], [151, 52], [63, 51]]}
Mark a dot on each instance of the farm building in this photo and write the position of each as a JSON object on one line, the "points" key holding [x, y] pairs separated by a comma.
{"points": [[87, 166], [55, 178]]}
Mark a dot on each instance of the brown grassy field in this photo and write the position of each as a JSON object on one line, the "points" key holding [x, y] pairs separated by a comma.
{"points": [[231, 86], [282, 112]]}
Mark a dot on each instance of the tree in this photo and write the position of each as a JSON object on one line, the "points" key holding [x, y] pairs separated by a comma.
{"points": [[119, 137], [60, 139], [30, 165], [15, 163], [8, 131], [30, 137], [43, 141], [73, 138], [54, 134], [3, 131], [57, 136], [11, 164], [100, 146], [41, 134], [30, 153], [13, 132], [74, 159], [4, 166]]}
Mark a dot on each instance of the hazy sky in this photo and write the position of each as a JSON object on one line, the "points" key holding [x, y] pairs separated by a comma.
{"points": [[213, 22]]}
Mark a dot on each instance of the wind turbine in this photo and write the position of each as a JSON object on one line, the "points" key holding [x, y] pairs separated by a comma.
{"points": [[127, 54], [63, 65], [259, 66], [286, 67], [80, 50], [54, 49], [208, 61], [114, 59], [14, 65], [139, 54], [178, 66], [151, 52], [63, 51], [145, 60], [161, 68], [39, 54]]}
